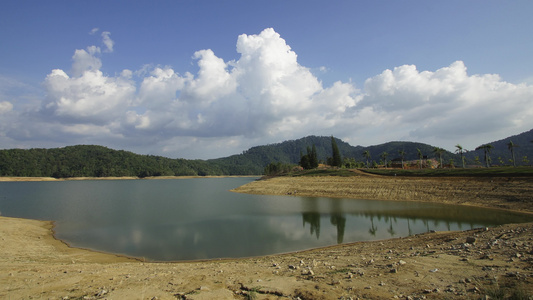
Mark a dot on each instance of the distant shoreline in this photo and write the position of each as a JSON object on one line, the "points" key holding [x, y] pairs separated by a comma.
{"points": [[16, 179]]}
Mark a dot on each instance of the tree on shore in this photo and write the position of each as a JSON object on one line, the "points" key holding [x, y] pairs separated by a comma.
{"points": [[438, 151], [309, 160], [366, 154], [336, 160], [402, 156], [384, 156], [461, 151], [511, 147], [486, 149], [420, 156]]}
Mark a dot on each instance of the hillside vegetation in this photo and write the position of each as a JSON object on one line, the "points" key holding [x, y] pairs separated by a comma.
{"points": [[99, 161]]}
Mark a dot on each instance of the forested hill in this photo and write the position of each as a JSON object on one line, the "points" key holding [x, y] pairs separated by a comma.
{"points": [[291, 151], [500, 153], [96, 161], [99, 161]]}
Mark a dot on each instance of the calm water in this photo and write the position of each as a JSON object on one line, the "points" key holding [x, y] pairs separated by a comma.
{"points": [[187, 219]]}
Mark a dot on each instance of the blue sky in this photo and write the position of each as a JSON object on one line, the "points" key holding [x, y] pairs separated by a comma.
{"points": [[206, 79]]}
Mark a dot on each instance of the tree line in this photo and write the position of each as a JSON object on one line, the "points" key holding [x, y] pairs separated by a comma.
{"points": [[310, 160], [306, 153], [98, 161]]}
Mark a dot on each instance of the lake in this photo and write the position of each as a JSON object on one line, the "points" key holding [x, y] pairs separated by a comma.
{"points": [[199, 218]]}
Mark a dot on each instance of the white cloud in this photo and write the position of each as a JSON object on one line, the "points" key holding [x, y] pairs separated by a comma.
{"points": [[108, 42], [264, 96], [91, 97], [5, 107], [447, 104], [94, 30], [86, 60]]}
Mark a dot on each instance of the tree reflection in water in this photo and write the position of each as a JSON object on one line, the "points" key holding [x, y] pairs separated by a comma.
{"points": [[394, 225]]}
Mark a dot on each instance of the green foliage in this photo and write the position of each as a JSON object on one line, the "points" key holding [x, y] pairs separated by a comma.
{"points": [[336, 160], [310, 160], [518, 146], [276, 169], [96, 161]]}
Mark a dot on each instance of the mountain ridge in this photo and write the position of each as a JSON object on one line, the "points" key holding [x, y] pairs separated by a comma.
{"points": [[101, 161]]}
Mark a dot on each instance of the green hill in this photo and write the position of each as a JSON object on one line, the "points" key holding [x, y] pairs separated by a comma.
{"points": [[99, 161], [500, 154], [95, 161]]}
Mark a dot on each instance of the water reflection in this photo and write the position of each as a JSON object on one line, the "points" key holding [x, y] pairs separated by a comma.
{"points": [[199, 218], [407, 223]]}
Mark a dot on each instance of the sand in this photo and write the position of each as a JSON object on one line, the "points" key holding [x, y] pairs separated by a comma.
{"points": [[439, 265]]}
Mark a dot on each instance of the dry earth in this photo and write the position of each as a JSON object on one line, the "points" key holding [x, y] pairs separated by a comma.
{"points": [[440, 265]]}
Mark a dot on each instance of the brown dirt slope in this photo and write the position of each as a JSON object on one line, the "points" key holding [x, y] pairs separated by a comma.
{"points": [[496, 192]]}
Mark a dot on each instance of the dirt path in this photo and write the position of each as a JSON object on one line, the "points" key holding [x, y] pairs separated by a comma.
{"points": [[441, 265]]}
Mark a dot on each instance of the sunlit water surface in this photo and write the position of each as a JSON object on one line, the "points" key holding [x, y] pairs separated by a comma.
{"points": [[185, 219]]}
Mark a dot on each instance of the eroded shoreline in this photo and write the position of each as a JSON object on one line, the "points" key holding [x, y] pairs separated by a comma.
{"points": [[460, 265]]}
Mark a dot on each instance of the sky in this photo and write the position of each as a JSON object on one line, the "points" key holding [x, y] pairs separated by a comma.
{"points": [[208, 79]]}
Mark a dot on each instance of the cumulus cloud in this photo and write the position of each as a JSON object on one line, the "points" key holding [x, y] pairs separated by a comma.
{"points": [[90, 97], [266, 96], [86, 60], [447, 104]]}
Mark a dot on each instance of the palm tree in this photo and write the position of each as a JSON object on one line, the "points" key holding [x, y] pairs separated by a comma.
{"points": [[511, 147], [366, 154], [420, 156], [438, 151], [402, 155], [461, 151], [384, 156], [486, 149]]}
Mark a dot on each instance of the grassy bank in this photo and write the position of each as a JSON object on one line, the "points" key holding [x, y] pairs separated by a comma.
{"points": [[457, 172]]}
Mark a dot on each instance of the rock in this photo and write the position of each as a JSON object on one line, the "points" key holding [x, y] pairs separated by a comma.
{"points": [[308, 272], [434, 270], [401, 262], [393, 270], [470, 239]]}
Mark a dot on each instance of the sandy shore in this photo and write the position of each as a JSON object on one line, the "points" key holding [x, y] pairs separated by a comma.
{"points": [[449, 265]]}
